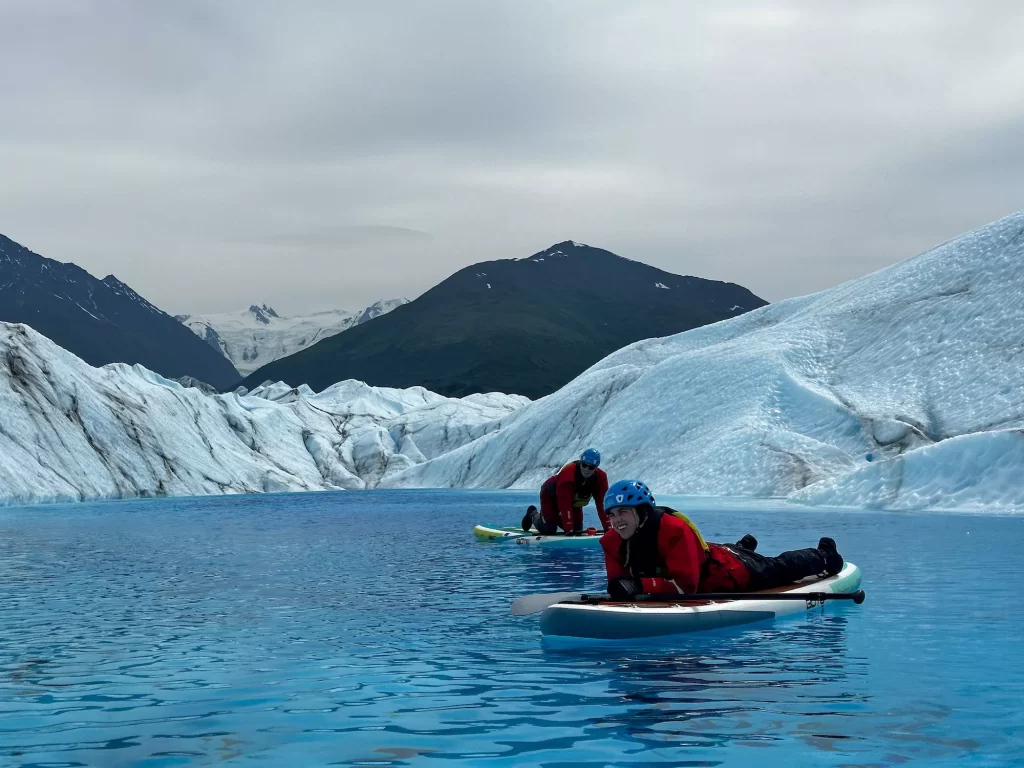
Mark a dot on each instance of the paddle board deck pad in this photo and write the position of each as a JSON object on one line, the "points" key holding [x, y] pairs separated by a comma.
{"points": [[532, 538], [631, 621], [491, 533]]}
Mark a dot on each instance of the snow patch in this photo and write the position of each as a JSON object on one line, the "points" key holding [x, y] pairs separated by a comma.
{"points": [[90, 314], [662, 285]]}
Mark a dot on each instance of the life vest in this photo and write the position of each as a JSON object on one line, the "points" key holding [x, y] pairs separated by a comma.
{"points": [[640, 552], [693, 527], [583, 487], [710, 560]]}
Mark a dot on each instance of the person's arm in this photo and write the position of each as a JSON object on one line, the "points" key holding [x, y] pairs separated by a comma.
{"points": [[611, 542], [683, 557], [601, 488]]}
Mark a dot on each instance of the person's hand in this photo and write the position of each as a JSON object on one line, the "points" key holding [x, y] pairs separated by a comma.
{"points": [[625, 589], [572, 532]]}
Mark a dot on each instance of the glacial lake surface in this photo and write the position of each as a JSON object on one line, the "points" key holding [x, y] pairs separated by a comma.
{"points": [[371, 629]]}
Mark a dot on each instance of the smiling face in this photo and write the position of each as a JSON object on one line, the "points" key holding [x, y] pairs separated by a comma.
{"points": [[587, 469], [624, 520]]}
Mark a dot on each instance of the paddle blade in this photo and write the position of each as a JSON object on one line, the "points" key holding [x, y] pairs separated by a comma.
{"points": [[528, 604]]}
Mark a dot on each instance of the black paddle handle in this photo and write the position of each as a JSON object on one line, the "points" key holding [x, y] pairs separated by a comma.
{"points": [[810, 597]]}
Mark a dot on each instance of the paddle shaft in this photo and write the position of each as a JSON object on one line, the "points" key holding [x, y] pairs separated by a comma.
{"points": [[816, 597], [524, 606]]}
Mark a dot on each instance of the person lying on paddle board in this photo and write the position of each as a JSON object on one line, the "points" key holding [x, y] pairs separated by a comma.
{"points": [[564, 495], [656, 550]]}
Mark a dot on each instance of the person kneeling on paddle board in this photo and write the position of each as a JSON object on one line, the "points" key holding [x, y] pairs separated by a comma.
{"points": [[564, 495], [656, 550]]}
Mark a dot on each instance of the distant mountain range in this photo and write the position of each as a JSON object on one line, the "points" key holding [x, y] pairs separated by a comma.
{"points": [[257, 336], [898, 390], [101, 321], [525, 326]]}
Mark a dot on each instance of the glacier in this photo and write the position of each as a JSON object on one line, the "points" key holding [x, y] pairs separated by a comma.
{"points": [[254, 337], [70, 432], [898, 390]]}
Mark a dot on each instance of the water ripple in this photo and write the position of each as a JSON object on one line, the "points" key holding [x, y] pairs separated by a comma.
{"points": [[370, 629]]}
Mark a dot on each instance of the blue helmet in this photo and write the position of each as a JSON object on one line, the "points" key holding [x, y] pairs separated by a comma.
{"points": [[591, 457], [628, 493]]}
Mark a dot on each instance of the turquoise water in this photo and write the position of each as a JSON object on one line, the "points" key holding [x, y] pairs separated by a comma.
{"points": [[372, 629]]}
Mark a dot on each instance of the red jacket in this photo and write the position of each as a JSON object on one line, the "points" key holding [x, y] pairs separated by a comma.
{"points": [[572, 490], [666, 555]]}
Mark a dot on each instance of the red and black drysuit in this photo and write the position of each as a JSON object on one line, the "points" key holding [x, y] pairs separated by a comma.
{"points": [[564, 495], [666, 555]]}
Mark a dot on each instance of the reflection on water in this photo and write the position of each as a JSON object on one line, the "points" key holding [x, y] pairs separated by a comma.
{"points": [[343, 629]]}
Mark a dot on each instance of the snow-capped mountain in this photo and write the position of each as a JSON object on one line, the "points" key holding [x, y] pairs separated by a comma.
{"points": [[257, 336], [101, 321], [70, 431], [902, 389]]}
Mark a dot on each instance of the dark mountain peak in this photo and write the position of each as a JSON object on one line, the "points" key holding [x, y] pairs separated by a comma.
{"points": [[28, 264], [574, 253], [262, 313], [10, 251], [101, 321], [580, 268], [565, 250], [572, 248], [514, 325]]}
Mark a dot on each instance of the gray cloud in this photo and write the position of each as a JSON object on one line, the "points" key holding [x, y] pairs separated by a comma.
{"points": [[216, 154], [345, 235]]}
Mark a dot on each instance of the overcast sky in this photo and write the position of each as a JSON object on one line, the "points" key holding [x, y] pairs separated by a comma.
{"points": [[324, 154]]}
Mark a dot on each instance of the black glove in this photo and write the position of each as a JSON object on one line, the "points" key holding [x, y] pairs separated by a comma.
{"points": [[625, 589], [572, 532], [748, 543]]}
